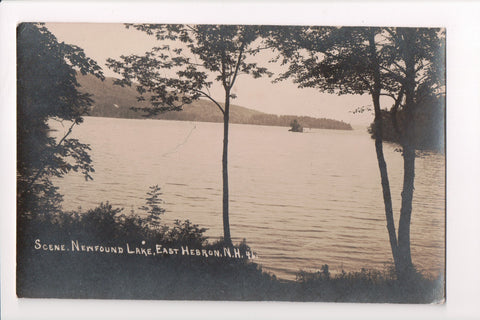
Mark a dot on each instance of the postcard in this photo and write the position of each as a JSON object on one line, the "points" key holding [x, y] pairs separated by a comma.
{"points": [[231, 162]]}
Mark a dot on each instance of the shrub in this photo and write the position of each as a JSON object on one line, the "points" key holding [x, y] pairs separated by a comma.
{"points": [[186, 233], [152, 207]]}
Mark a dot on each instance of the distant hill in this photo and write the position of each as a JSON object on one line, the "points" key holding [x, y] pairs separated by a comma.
{"points": [[115, 102]]}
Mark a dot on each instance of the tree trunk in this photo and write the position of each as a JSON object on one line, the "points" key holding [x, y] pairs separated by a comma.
{"points": [[382, 165], [406, 266], [387, 198], [407, 142], [226, 119]]}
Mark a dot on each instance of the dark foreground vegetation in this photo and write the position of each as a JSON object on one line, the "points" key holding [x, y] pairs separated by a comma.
{"points": [[98, 269]]}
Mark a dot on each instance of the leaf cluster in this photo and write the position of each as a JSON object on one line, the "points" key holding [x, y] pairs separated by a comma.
{"points": [[393, 62], [340, 59]]}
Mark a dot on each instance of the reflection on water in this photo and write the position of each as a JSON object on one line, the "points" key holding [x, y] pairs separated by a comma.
{"points": [[300, 199]]}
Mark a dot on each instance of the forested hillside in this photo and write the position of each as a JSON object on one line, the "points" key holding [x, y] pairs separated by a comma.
{"points": [[116, 102]]}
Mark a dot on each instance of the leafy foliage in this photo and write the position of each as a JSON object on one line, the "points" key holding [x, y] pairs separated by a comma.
{"points": [[47, 89], [341, 60], [186, 233], [173, 75], [369, 285], [152, 207]]}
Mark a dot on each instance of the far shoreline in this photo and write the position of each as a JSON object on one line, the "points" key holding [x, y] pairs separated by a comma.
{"points": [[307, 129]]}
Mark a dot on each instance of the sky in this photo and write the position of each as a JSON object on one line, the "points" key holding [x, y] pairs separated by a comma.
{"points": [[111, 40]]}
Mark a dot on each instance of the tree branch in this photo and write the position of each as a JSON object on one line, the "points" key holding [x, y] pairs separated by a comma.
{"points": [[211, 99], [256, 50], [395, 109], [392, 74], [239, 61], [389, 95], [41, 170], [402, 69], [365, 81]]}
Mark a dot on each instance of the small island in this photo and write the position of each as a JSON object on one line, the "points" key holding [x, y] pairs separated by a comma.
{"points": [[296, 126]]}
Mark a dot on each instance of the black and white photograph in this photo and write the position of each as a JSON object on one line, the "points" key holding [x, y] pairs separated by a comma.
{"points": [[220, 160], [231, 162]]}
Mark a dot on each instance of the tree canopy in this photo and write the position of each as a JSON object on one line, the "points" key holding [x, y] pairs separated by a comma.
{"points": [[47, 89], [172, 75]]}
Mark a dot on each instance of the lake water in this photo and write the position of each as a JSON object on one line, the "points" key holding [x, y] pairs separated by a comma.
{"points": [[300, 199]]}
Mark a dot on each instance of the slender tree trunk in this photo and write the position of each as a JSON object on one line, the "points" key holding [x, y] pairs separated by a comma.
{"points": [[226, 119], [406, 266], [408, 157], [382, 165], [387, 197]]}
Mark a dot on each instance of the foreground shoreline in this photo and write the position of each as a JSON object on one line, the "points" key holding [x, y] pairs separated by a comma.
{"points": [[71, 274], [114, 278], [64, 255]]}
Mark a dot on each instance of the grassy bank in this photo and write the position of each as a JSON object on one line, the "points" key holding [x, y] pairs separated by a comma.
{"points": [[104, 254]]}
